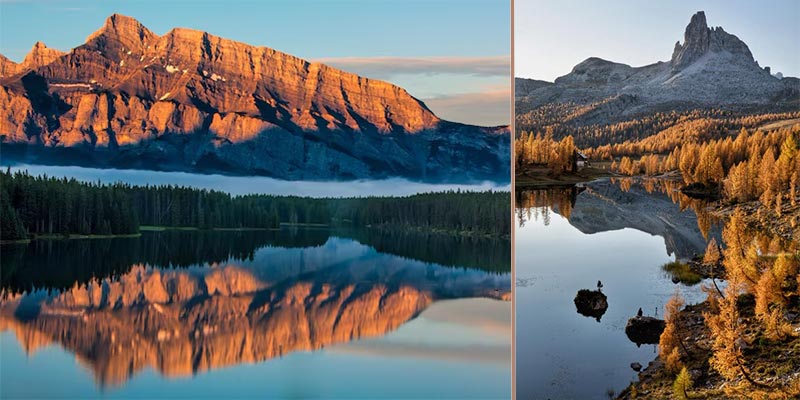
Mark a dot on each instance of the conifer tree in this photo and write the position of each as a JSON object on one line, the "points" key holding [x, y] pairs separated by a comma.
{"points": [[682, 385], [670, 343]]}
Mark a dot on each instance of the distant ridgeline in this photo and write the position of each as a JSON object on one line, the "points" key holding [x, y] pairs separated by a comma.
{"points": [[41, 205]]}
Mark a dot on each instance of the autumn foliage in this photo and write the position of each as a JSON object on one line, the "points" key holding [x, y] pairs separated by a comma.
{"points": [[757, 268], [753, 165], [669, 345], [542, 149]]}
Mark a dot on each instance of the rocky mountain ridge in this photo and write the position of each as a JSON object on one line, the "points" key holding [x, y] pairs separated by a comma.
{"points": [[189, 100], [710, 69], [39, 55]]}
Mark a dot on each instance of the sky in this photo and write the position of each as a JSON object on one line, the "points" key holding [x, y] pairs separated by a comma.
{"points": [[551, 37], [452, 54]]}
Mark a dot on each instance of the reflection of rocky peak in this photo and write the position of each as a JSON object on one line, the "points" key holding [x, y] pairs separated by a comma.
{"points": [[181, 321], [184, 337], [699, 39], [606, 207]]}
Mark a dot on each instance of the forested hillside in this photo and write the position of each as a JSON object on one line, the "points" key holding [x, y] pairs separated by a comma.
{"points": [[41, 205], [758, 161]]}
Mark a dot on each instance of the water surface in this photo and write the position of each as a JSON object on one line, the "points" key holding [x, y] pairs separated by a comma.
{"points": [[291, 313], [566, 240]]}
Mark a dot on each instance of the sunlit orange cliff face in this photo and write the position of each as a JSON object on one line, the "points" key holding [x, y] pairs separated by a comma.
{"points": [[179, 322], [233, 81], [244, 109]]}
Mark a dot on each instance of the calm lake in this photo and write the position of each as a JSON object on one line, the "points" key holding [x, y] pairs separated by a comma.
{"points": [[292, 313], [295, 313], [567, 239]]}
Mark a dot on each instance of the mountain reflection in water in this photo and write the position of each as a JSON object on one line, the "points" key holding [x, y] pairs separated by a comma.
{"points": [[655, 206], [192, 301], [614, 233]]}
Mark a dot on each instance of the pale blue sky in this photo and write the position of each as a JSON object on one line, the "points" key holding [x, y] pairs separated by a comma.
{"points": [[551, 37], [442, 34]]}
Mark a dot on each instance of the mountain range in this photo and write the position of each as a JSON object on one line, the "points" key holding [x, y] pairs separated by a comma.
{"points": [[192, 101], [710, 69]]}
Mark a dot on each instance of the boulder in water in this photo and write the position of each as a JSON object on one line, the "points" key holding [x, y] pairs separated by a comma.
{"points": [[644, 330], [591, 303]]}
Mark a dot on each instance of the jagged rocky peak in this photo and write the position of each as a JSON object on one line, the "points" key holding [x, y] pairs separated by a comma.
{"points": [[40, 55], [190, 56], [7, 67], [711, 68], [699, 39], [245, 109], [123, 32]]}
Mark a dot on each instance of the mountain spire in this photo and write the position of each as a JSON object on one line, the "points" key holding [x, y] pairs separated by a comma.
{"points": [[40, 55], [699, 39], [123, 32]]}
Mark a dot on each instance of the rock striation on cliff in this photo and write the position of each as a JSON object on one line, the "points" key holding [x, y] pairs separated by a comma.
{"points": [[189, 100]]}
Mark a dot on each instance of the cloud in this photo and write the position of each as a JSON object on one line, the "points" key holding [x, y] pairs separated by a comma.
{"points": [[488, 108], [241, 185], [385, 67]]}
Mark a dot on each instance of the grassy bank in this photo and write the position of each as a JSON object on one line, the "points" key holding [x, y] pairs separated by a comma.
{"points": [[156, 228], [533, 176]]}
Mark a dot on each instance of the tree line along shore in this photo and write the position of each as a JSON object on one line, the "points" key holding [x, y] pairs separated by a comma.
{"points": [[36, 206]]}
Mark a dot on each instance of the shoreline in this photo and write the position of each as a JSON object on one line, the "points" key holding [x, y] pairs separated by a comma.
{"points": [[151, 228], [69, 236], [765, 219], [773, 374], [774, 364], [757, 215], [536, 177], [437, 231]]}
